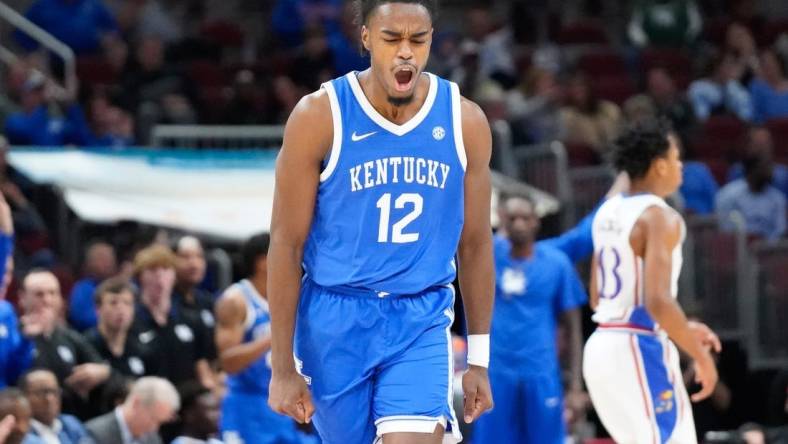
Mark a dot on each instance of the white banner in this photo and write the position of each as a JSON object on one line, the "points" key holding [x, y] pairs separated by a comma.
{"points": [[227, 194]]}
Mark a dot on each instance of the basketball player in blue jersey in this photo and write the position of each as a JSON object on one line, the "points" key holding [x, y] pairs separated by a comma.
{"points": [[536, 286], [630, 363], [243, 340], [382, 177]]}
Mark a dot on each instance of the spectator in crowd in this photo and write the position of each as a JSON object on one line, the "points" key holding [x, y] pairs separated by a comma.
{"points": [[114, 300], [152, 402], [291, 18], [100, 264], [149, 17], [760, 204], [720, 92], [536, 286], [157, 92], [15, 351], [533, 107], [113, 126], [199, 415], [665, 23], [36, 124], [43, 392], [29, 227], [313, 64], [13, 403], [698, 187], [344, 44], [250, 104], [586, 119], [190, 268], [759, 139], [770, 90], [175, 338], [670, 102], [83, 25], [740, 46], [77, 365], [494, 40], [777, 402]]}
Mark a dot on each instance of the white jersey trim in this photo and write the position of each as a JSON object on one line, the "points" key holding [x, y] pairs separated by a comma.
{"points": [[456, 118], [372, 113], [336, 145]]}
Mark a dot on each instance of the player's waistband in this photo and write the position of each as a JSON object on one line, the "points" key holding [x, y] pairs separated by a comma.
{"points": [[347, 290], [626, 327]]}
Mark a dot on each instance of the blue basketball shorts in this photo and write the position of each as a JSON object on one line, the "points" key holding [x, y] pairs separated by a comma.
{"points": [[376, 365], [528, 409]]}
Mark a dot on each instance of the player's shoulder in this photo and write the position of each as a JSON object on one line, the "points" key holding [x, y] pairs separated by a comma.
{"points": [[314, 107], [231, 304], [662, 218], [472, 113]]}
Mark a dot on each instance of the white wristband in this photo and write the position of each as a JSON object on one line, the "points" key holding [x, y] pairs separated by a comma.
{"points": [[479, 350]]}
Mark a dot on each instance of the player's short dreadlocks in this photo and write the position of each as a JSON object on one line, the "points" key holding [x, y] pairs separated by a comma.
{"points": [[639, 145]]}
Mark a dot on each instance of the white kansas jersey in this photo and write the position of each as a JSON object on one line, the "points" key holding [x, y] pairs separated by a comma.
{"points": [[619, 272]]}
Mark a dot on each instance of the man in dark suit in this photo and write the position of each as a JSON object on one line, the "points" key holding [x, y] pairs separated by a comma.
{"points": [[152, 402]]}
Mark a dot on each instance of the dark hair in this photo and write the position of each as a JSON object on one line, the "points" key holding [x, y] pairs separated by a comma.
{"points": [[190, 391], [639, 145], [364, 8], [114, 285], [253, 249], [504, 198], [23, 382]]}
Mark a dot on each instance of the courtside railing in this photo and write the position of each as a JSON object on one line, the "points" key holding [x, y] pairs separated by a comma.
{"points": [[217, 136]]}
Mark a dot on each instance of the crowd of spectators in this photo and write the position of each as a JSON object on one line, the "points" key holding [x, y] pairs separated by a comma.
{"points": [[718, 74]]}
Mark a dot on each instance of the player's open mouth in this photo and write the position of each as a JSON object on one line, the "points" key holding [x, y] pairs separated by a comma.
{"points": [[404, 78]]}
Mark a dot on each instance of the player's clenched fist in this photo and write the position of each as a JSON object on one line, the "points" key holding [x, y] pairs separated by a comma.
{"points": [[288, 395], [478, 396]]}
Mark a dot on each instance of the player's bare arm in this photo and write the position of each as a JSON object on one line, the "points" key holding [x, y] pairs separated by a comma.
{"points": [[234, 355], [307, 139], [476, 274], [654, 236], [593, 290]]}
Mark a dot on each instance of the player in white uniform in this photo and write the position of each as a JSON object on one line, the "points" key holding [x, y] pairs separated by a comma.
{"points": [[630, 363]]}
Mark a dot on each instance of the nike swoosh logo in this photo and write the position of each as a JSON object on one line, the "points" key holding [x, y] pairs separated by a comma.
{"points": [[355, 137]]}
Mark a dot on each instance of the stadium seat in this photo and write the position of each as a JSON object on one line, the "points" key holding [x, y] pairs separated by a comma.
{"points": [[207, 73], [616, 89], [222, 33], [718, 166], [581, 154], [714, 30], [604, 63], [726, 131], [599, 441], [582, 32], [95, 71], [771, 31], [779, 130]]}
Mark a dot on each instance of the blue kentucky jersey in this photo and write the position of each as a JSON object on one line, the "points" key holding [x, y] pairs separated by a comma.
{"points": [[389, 208], [255, 378]]}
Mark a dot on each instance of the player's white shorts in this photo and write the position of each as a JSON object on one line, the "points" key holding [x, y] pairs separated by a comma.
{"points": [[636, 386]]}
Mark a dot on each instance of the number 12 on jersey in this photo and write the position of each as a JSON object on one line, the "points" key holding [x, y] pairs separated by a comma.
{"points": [[397, 235]]}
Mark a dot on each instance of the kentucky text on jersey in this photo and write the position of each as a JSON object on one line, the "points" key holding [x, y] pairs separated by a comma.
{"points": [[395, 169]]}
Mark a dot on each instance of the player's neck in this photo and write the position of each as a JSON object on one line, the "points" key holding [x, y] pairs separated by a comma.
{"points": [[115, 339], [259, 283], [644, 186], [379, 99], [522, 251]]}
